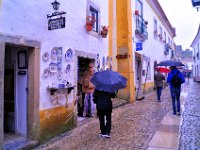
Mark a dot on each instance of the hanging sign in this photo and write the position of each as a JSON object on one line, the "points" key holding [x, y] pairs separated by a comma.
{"points": [[56, 23], [138, 46]]}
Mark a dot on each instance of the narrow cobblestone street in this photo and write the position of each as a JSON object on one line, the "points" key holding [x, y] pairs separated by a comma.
{"points": [[134, 125]]}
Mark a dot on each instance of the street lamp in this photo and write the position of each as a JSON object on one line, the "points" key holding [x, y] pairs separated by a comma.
{"points": [[55, 5], [196, 3]]}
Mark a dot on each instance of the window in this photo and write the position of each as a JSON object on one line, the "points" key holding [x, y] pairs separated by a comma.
{"points": [[149, 70], [160, 34], [160, 31], [93, 11], [155, 28], [168, 40], [164, 37], [94, 14]]}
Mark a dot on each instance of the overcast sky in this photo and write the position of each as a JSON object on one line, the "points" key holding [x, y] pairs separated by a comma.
{"points": [[184, 18]]}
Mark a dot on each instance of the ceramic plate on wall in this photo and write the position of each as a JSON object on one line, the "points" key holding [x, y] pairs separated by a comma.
{"points": [[69, 54], [46, 72], [45, 56], [52, 67], [54, 53], [60, 75], [68, 68]]}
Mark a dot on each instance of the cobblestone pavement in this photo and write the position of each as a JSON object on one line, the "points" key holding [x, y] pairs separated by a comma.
{"points": [[133, 126], [190, 129]]}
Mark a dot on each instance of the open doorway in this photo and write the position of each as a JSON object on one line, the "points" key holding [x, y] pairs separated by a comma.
{"points": [[138, 75], [83, 65], [15, 92]]}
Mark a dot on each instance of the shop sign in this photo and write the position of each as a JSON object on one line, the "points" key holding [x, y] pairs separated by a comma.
{"points": [[56, 23], [139, 46]]}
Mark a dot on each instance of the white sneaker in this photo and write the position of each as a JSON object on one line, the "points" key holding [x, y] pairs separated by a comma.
{"points": [[107, 136]]}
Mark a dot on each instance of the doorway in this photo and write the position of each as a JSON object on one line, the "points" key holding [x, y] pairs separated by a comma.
{"points": [[138, 75], [15, 92], [83, 65]]}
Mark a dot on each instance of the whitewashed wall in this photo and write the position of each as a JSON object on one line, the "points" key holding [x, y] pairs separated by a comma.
{"points": [[29, 19], [196, 63], [152, 47]]}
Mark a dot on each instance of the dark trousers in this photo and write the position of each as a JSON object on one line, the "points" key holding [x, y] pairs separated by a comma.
{"points": [[105, 127], [159, 91], [81, 108], [175, 93]]}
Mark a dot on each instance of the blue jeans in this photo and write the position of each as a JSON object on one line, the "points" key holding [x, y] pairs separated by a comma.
{"points": [[175, 93], [159, 91]]}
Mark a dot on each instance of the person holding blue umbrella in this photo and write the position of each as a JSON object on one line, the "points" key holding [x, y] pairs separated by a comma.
{"points": [[175, 78], [106, 84]]}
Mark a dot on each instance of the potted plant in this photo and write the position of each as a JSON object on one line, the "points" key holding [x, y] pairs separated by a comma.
{"points": [[90, 22], [136, 12], [104, 31]]}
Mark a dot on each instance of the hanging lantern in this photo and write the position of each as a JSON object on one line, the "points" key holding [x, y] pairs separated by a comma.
{"points": [[55, 5]]}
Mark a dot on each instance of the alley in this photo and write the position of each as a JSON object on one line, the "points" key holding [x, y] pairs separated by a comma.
{"points": [[133, 126]]}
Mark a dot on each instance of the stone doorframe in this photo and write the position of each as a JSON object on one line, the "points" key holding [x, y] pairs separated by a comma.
{"points": [[85, 55], [33, 83]]}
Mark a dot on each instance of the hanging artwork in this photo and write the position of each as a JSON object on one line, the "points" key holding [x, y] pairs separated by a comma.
{"points": [[54, 53], [103, 63], [69, 55], [60, 75], [107, 60], [98, 63], [46, 72], [68, 68], [59, 54], [45, 56], [59, 58], [110, 63], [52, 67]]}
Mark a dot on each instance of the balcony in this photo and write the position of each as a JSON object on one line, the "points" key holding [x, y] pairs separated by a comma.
{"points": [[141, 28]]}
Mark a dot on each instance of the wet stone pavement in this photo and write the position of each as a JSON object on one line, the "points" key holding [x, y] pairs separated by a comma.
{"points": [[133, 126], [190, 129]]}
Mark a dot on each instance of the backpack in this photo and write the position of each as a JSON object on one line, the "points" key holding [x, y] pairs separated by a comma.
{"points": [[176, 81]]}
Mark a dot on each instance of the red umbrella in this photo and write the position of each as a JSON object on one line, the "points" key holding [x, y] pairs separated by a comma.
{"points": [[163, 69]]}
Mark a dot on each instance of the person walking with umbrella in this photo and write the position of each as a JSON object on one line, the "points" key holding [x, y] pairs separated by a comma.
{"points": [[159, 78], [175, 78], [106, 84]]}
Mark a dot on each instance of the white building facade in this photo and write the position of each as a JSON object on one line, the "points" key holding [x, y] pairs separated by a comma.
{"points": [[196, 56], [43, 49], [152, 40]]}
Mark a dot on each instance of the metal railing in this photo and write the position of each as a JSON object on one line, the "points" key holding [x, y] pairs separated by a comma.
{"points": [[141, 27]]}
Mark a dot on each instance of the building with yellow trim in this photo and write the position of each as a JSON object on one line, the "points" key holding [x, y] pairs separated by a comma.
{"points": [[140, 37]]}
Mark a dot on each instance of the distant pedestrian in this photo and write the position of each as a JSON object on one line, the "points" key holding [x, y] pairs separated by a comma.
{"points": [[175, 78], [188, 76], [159, 78], [104, 109]]}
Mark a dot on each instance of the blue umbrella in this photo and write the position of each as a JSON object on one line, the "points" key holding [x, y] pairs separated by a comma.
{"points": [[170, 63], [108, 81]]}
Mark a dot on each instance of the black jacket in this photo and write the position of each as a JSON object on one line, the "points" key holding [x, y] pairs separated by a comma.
{"points": [[103, 100]]}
